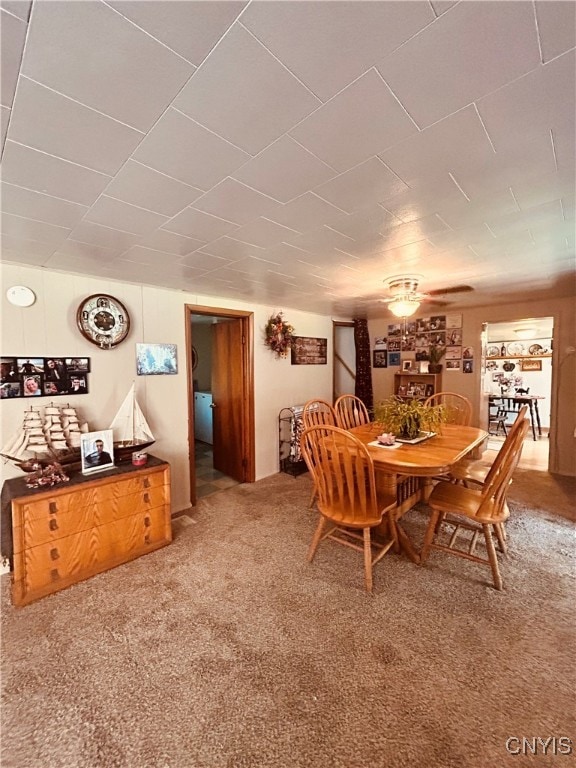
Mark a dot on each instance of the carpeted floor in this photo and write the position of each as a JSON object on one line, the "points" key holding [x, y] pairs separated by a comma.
{"points": [[228, 650]]}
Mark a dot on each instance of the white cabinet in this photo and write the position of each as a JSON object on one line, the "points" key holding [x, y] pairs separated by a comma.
{"points": [[203, 416]]}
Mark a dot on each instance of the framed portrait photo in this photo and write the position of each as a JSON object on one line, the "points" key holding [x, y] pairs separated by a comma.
{"points": [[97, 451], [379, 358]]}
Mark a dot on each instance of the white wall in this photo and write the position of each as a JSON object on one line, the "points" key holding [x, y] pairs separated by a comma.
{"points": [[48, 328]]}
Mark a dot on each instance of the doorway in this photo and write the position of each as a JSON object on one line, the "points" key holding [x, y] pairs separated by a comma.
{"points": [[519, 363], [344, 366], [220, 398]]}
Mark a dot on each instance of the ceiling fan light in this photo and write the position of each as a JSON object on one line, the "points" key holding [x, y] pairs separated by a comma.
{"points": [[525, 333], [403, 306]]}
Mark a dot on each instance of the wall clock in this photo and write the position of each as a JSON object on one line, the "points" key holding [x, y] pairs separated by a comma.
{"points": [[103, 320]]}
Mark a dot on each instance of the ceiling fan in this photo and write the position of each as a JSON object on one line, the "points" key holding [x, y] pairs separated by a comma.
{"points": [[405, 298]]}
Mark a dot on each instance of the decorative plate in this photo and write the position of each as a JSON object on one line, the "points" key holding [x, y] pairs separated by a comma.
{"points": [[536, 349], [515, 348], [493, 352]]}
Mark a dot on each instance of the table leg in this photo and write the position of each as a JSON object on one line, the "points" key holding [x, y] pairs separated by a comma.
{"points": [[532, 419], [406, 544], [406, 498], [537, 412]]}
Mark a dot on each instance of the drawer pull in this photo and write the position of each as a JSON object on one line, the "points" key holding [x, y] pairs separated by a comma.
{"points": [[146, 483], [53, 524], [53, 507], [54, 575], [147, 498], [54, 554], [147, 539], [147, 522]]}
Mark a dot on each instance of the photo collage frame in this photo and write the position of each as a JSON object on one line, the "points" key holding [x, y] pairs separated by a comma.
{"points": [[43, 376], [415, 337]]}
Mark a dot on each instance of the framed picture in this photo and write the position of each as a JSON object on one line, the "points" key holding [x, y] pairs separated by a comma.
{"points": [[55, 376], [76, 384], [393, 358], [97, 451], [530, 365], [379, 358], [77, 364], [10, 389], [307, 350], [402, 390], [406, 365], [27, 365], [416, 388], [156, 359], [32, 385], [429, 390], [8, 370]]}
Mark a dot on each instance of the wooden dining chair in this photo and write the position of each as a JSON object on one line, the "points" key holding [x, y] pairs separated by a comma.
{"points": [[458, 409], [317, 413], [475, 471], [482, 510], [350, 412], [348, 502]]}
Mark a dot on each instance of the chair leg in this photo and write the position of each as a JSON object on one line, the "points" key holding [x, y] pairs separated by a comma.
{"points": [[367, 560], [501, 536], [316, 538], [430, 533], [492, 556], [312, 496]]}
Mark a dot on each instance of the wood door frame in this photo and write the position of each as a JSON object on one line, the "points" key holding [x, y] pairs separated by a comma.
{"points": [[247, 358]]}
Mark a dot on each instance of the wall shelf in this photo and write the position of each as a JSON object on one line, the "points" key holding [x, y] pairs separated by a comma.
{"points": [[427, 384]]}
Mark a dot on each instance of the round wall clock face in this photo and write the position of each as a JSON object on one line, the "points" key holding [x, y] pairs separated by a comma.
{"points": [[103, 320]]}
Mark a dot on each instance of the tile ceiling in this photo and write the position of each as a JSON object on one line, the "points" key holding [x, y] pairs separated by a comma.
{"points": [[293, 153]]}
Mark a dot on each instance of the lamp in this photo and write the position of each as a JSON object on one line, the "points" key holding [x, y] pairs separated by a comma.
{"points": [[403, 306], [525, 333]]}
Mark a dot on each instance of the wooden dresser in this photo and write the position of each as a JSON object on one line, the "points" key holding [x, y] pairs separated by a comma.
{"points": [[75, 530]]}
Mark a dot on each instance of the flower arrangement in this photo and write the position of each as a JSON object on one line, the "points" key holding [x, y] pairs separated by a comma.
{"points": [[279, 335], [406, 418]]}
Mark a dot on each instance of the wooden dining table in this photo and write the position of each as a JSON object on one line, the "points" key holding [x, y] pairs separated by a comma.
{"points": [[407, 471]]}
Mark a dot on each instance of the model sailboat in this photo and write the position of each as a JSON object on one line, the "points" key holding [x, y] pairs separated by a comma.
{"points": [[130, 428], [40, 441]]}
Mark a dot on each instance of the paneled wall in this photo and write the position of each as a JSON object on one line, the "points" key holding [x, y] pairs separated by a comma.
{"points": [[48, 328]]}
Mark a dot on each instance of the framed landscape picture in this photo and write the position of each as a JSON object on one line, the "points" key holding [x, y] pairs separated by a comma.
{"points": [[156, 359]]}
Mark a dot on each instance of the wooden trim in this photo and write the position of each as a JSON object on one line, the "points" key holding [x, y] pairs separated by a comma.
{"points": [[248, 447]]}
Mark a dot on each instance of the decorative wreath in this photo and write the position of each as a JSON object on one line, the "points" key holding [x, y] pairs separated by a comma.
{"points": [[279, 335]]}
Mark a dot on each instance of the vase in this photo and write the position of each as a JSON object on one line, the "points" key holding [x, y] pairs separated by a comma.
{"points": [[434, 367]]}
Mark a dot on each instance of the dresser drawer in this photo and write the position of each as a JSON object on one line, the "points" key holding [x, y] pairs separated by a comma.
{"points": [[69, 533], [77, 499], [30, 530], [55, 564]]}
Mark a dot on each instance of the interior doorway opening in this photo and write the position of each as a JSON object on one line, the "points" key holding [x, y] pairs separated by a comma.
{"points": [[519, 371], [344, 367], [220, 399]]}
